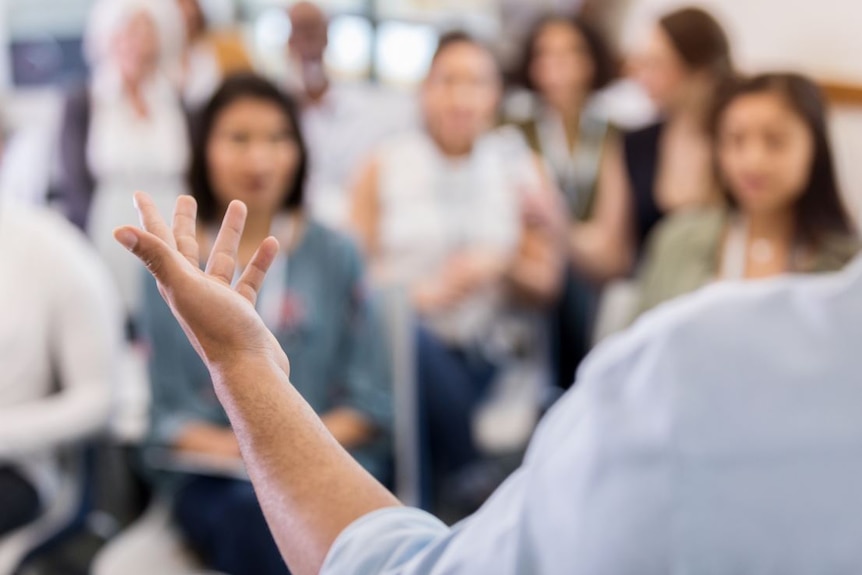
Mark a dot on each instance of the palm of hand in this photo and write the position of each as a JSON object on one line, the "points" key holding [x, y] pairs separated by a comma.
{"points": [[219, 319]]}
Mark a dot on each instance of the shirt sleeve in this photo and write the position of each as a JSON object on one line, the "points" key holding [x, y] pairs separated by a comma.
{"points": [[86, 334], [404, 541], [552, 514]]}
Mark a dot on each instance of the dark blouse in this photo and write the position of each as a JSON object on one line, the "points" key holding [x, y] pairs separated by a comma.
{"points": [[641, 151]]}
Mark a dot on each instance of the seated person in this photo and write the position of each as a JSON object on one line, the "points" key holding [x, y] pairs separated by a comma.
{"points": [[125, 129], [439, 212], [784, 211], [661, 169], [567, 61], [248, 147], [60, 332], [342, 120]]}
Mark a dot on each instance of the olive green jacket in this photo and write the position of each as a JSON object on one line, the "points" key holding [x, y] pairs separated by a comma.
{"points": [[684, 252]]}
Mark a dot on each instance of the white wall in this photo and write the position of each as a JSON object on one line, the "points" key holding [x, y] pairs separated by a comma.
{"points": [[817, 36], [822, 38]]}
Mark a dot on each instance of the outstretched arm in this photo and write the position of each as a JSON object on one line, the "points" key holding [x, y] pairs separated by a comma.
{"points": [[309, 487]]}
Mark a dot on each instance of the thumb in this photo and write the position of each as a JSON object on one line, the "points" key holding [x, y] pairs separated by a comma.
{"points": [[156, 255]]}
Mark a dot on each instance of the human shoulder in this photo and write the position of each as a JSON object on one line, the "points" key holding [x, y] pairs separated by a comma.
{"points": [[693, 233], [699, 228], [55, 250], [836, 252], [334, 246]]}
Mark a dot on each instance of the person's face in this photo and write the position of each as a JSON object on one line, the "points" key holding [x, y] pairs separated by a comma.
{"points": [[308, 33], [136, 47], [252, 155], [460, 96], [660, 70], [193, 17], [765, 153], [562, 67]]}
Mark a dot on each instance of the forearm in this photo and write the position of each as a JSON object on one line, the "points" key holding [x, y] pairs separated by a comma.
{"points": [[349, 427], [55, 420], [310, 488], [536, 276], [596, 256], [535, 282]]}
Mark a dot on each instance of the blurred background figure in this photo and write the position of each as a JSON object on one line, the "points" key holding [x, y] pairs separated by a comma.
{"points": [[566, 62], [208, 55], [439, 212], [22, 148], [126, 129], [783, 209], [343, 122], [59, 337], [667, 166], [248, 146]]}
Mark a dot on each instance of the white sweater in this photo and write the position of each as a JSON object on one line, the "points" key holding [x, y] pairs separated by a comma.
{"points": [[60, 335]]}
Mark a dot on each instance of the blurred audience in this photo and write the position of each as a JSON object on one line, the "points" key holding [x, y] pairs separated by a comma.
{"points": [[566, 62], [665, 167], [126, 129], [439, 212], [341, 121], [59, 337], [784, 211], [208, 56], [248, 146]]}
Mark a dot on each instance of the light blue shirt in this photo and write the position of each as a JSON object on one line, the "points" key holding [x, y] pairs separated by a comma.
{"points": [[721, 435]]}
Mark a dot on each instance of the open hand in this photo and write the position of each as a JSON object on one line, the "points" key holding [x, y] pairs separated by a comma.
{"points": [[219, 319]]}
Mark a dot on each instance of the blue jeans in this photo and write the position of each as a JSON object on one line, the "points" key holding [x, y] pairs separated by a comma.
{"points": [[452, 382], [222, 521]]}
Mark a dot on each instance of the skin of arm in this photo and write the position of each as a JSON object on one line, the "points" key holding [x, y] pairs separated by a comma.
{"points": [[535, 276], [601, 249], [309, 487]]}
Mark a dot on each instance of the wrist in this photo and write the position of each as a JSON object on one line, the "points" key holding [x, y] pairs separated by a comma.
{"points": [[240, 366]]}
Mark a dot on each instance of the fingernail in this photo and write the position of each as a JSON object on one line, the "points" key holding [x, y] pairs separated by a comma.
{"points": [[127, 238]]}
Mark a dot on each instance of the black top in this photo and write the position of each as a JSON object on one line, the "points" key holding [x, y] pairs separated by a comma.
{"points": [[641, 150]]}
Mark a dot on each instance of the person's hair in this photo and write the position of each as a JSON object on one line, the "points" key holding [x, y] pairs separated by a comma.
{"points": [[107, 17], [700, 41], [238, 87], [459, 37], [605, 61], [820, 212], [201, 18]]}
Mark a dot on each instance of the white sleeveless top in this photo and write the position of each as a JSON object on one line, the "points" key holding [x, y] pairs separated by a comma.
{"points": [[127, 153], [432, 207]]}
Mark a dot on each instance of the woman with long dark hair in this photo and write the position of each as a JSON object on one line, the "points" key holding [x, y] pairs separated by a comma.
{"points": [[665, 167], [566, 61], [784, 211], [247, 146]]}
